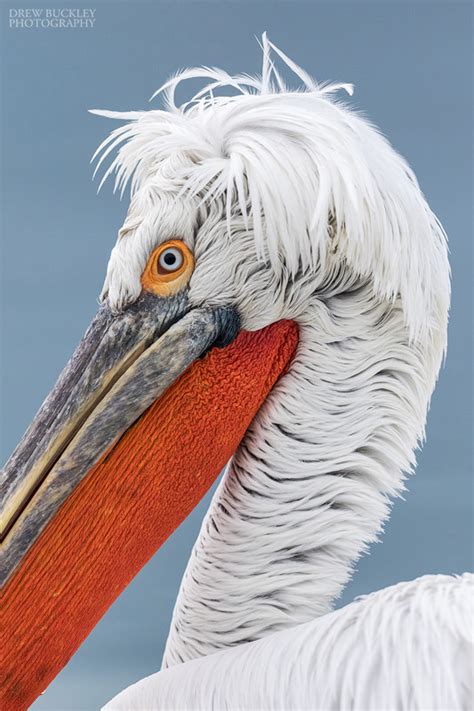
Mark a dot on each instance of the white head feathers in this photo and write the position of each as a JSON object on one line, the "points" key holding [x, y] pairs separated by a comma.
{"points": [[307, 174]]}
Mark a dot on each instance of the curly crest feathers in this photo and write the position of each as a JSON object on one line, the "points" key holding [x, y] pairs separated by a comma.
{"points": [[306, 171]]}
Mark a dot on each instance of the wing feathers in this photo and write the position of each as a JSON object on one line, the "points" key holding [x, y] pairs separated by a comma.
{"points": [[406, 647]]}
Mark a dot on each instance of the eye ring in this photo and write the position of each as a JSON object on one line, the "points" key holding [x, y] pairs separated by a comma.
{"points": [[168, 269]]}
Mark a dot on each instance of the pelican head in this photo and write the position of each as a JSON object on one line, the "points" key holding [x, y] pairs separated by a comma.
{"points": [[278, 292]]}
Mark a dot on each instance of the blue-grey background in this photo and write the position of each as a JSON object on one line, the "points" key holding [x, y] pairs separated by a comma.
{"points": [[410, 62]]}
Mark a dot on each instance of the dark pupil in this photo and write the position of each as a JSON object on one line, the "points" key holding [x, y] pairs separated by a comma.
{"points": [[170, 259]]}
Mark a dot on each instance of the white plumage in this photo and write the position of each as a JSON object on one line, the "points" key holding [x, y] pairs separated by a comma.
{"points": [[295, 207], [310, 174], [405, 647]]}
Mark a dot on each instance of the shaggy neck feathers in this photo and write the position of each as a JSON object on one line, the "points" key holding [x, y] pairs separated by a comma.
{"points": [[311, 484]]}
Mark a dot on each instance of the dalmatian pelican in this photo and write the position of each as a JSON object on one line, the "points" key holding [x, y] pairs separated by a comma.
{"points": [[276, 302]]}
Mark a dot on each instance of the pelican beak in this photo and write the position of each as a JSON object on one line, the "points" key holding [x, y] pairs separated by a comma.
{"points": [[138, 426]]}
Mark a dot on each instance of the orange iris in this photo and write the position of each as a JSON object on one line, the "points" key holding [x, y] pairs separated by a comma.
{"points": [[168, 269]]}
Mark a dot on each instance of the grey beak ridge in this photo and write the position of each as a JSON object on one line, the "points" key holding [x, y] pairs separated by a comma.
{"points": [[123, 364]]}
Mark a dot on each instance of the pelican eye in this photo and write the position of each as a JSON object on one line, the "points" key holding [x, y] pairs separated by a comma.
{"points": [[168, 269], [170, 260]]}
